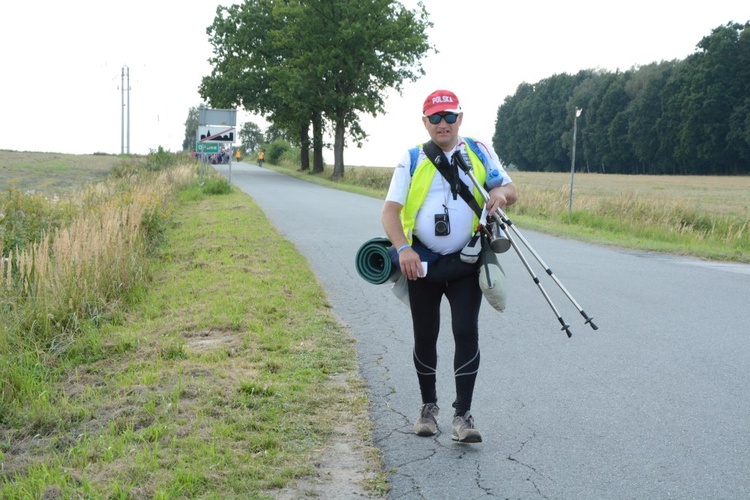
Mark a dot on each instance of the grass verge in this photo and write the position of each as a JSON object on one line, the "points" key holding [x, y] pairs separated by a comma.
{"points": [[223, 381]]}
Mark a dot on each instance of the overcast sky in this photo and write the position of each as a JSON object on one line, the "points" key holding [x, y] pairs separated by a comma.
{"points": [[62, 64]]}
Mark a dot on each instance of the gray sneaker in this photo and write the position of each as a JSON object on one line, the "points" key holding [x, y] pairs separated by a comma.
{"points": [[426, 424], [464, 430]]}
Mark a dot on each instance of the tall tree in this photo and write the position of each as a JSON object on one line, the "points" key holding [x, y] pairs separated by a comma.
{"points": [[251, 67], [191, 129], [722, 85], [251, 137], [511, 127], [738, 138], [299, 61], [645, 89], [361, 50]]}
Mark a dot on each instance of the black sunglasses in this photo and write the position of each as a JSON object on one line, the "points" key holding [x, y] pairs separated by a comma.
{"points": [[450, 118]]}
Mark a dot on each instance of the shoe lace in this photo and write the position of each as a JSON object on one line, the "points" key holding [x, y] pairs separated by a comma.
{"points": [[427, 410], [467, 420]]}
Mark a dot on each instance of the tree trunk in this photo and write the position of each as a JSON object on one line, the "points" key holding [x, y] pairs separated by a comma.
{"points": [[304, 140], [338, 150], [317, 122]]}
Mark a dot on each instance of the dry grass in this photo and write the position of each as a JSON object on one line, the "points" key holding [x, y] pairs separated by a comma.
{"points": [[80, 269], [714, 195], [701, 216]]}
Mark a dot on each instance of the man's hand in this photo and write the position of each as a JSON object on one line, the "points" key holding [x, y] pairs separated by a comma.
{"points": [[408, 259], [501, 197], [411, 264]]}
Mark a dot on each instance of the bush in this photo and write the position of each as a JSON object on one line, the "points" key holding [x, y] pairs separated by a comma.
{"points": [[126, 169], [24, 218], [292, 158], [216, 185], [160, 159], [276, 150]]}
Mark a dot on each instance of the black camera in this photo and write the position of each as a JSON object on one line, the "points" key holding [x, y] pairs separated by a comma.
{"points": [[442, 225]]}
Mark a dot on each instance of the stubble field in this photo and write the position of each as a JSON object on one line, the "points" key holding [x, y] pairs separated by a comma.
{"points": [[53, 174]]}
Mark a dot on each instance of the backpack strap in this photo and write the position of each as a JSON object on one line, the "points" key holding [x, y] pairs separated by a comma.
{"points": [[450, 172], [413, 156], [471, 143], [475, 149]]}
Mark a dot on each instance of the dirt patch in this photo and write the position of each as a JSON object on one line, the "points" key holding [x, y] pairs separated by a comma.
{"points": [[343, 472], [210, 340], [349, 467]]}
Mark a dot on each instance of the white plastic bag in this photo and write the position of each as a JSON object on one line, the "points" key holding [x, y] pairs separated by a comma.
{"points": [[492, 278], [470, 253], [401, 289]]}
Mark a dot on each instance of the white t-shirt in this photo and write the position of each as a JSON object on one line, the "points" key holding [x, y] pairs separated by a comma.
{"points": [[439, 199]]}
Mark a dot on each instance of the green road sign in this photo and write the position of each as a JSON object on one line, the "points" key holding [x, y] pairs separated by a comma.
{"points": [[203, 147]]}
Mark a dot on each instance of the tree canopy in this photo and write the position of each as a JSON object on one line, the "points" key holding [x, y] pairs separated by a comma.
{"points": [[251, 137], [313, 63]]}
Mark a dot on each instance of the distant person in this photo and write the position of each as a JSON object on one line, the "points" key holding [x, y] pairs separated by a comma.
{"points": [[237, 155], [261, 157], [422, 212]]}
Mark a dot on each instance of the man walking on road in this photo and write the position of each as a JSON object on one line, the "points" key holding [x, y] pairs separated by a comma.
{"points": [[425, 219]]}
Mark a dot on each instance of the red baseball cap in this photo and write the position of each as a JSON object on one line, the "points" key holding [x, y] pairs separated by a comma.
{"points": [[441, 101]]}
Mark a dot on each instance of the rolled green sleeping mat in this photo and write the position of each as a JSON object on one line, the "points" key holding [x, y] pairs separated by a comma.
{"points": [[373, 262]]}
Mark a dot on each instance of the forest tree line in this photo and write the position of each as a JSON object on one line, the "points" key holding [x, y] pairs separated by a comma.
{"points": [[686, 117]]}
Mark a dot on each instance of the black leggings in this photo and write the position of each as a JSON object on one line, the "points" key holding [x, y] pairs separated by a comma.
{"points": [[464, 297]]}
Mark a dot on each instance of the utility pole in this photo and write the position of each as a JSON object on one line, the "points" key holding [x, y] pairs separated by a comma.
{"points": [[573, 162], [125, 85]]}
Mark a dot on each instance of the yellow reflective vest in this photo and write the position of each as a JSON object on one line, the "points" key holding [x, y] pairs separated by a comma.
{"points": [[421, 180]]}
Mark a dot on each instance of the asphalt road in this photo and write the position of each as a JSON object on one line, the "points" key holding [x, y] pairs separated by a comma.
{"points": [[653, 405]]}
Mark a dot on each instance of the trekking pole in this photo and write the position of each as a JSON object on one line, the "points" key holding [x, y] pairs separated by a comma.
{"points": [[503, 219], [565, 326], [589, 320]]}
